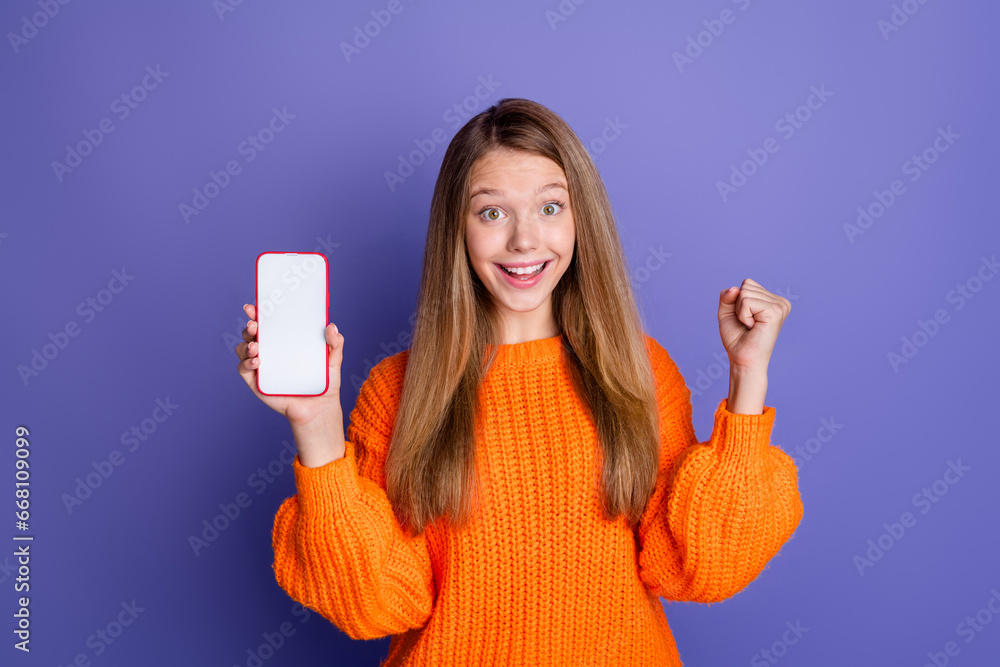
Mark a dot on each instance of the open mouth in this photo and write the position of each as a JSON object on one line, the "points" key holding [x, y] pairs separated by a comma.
{"points": [[525, 273]]}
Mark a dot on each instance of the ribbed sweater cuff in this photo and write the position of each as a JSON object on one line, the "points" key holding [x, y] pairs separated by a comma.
{"points": [[322, 489], [743, 434]]}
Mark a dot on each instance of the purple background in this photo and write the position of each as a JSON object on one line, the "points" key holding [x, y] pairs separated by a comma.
{"points": [[320, 185]]}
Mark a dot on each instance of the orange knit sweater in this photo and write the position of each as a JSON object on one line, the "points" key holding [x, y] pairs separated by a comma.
{"points": [[539, 577]]}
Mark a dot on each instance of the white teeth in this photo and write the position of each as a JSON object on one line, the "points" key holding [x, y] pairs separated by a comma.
{"points": [[523, 270]]}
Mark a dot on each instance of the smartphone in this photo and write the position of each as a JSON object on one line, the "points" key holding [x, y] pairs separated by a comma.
{"points": [[292, 315]]}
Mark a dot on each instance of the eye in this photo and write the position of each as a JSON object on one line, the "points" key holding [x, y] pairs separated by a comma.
{"points": [[547, 207], [490, 211]]}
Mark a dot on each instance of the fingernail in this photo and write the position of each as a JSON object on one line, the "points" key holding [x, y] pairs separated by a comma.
{"points": [[335, 329]]}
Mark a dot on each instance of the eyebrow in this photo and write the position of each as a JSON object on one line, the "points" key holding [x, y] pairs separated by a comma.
{"points": [[499, 193]]}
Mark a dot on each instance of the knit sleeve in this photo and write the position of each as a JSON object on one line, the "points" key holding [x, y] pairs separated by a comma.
{"points": [[338, 547], [721, 509]]}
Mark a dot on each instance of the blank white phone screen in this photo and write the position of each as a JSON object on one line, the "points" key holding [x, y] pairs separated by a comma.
{"points": [[292, 315]]}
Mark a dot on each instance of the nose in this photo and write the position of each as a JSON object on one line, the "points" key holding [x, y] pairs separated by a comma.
{"points": [[523, 235]]}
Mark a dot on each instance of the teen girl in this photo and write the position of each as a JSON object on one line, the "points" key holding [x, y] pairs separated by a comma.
{"points": [[522, 484]]}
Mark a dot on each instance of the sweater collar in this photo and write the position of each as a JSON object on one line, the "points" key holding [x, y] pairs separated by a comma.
{"points": [[532, 350]]}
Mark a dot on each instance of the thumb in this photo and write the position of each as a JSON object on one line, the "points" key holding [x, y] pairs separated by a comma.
{"points": [[727, 301], [335, 344]]}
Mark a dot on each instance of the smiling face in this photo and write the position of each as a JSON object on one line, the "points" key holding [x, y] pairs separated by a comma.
{"points": [[520, 218]]}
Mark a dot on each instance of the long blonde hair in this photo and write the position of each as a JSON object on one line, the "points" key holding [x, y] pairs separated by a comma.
{"points": [[430, 465]]}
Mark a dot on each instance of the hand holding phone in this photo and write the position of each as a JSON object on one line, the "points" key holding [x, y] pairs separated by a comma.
{"points": [[317, 420]]}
